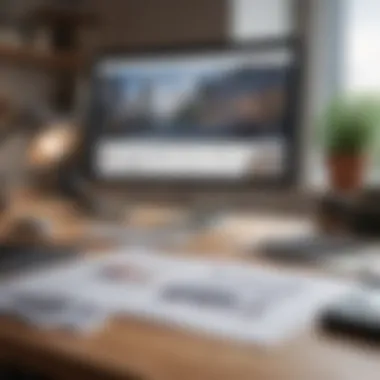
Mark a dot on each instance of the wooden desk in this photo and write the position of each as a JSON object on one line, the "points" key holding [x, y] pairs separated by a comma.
{"points": [[129, 347]]}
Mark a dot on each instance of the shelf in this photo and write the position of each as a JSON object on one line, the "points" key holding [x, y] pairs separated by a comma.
{"points": [[26, 56]]}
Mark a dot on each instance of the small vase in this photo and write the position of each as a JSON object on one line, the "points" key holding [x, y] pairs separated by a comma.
{"points": [[346, 172]]}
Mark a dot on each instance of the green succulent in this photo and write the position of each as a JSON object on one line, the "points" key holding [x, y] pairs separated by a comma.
{"points": [[350, 125]]}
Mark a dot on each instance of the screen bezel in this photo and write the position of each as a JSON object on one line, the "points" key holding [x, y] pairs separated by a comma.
{"points": [[291, 172]]}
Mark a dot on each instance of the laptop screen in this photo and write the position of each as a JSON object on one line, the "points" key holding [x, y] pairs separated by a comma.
{"points": [[220, 114]]}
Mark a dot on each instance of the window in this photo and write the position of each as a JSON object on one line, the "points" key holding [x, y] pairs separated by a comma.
{"points": [[361, 59], [361, 47], [261, 18]]}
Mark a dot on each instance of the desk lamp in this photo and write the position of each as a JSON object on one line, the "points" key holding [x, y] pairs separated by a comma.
{"points": [[51, 157]]}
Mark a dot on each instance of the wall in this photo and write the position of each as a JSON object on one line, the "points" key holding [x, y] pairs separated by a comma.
{"points": [[24, 87], [147, 22], [136, 22]]}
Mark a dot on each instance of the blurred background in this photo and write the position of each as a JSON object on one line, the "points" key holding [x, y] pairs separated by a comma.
{"points": [[46, 52]]}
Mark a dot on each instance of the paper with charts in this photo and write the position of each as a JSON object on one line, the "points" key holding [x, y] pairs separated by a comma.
{"points": [[222, 299]]}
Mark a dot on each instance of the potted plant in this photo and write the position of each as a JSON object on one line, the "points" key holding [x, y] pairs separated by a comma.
{"points": [[349, 127]]}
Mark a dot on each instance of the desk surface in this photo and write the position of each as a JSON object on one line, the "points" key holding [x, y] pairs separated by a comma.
{"points": [[130, 347]]}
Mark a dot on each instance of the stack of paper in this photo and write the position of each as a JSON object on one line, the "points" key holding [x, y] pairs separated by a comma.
{"points": [[229, 300]]}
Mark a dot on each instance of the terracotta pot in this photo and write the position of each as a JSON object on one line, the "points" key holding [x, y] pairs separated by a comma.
{"points": [[346, 172]]}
